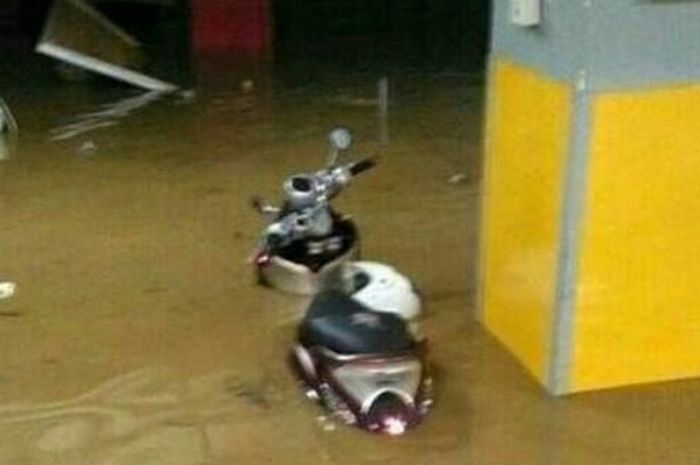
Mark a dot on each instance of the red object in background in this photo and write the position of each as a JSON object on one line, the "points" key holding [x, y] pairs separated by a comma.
{"points": [[231, 26]]}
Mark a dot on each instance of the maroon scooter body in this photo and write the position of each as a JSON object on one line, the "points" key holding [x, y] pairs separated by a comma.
{"points": [[381, 393]]}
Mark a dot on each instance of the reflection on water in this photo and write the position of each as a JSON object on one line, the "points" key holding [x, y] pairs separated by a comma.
{"points": [[141, 410], [140, 337], [8, 131], [108, 115], [8, 123], [5, 147]]}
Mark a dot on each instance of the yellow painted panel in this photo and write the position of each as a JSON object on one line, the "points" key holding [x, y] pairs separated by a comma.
{"points": [[638, 306], [528, 132]]}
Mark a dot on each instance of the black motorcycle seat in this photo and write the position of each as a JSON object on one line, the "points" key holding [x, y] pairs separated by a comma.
{"points": [[338, 322]]}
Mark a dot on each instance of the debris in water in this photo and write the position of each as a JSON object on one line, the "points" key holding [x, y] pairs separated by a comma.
{"points": [[87, 148], [247, 85], [383, 111], [8, 123], [5, 149], [77, 34], [383, 95], [357, 101], [326, 423], [458, 178], [186, 96], [109, 115], [8, 131], [7, 289], [3, 121]]}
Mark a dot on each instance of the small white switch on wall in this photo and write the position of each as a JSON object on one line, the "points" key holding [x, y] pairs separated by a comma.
{"points": [[525, 12]]}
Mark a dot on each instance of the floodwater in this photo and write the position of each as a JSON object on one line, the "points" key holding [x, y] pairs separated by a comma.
{"points": [[137, 334]]}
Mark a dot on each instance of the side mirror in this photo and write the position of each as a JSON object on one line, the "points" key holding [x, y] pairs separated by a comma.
{"points": [[264, 209], [340, 139]]}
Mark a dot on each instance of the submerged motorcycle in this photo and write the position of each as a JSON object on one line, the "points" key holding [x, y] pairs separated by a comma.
{"points": [[304, 248], [364, 366], [360, 354], [360, 350]]}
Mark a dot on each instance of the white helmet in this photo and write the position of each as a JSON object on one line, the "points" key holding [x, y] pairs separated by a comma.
{"points": [[381, 288]]}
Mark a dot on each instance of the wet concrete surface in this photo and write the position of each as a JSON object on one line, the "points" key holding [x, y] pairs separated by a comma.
{"points": [[137, 334]]}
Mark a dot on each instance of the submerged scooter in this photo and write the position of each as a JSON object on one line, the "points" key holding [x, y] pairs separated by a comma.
{"points": [[360, 351], [304, 248], [364, 366], [361, 354]]}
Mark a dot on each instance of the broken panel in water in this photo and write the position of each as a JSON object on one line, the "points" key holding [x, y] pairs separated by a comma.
{"points": [[77, 34]]}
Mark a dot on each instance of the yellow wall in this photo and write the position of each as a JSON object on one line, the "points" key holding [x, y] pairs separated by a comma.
{"points": [[528, 131], [638, 308]]}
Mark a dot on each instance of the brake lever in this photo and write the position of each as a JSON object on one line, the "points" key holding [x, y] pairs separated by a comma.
{"points": [[264, 208]]}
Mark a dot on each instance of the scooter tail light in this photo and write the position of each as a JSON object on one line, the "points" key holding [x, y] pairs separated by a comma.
{"points": [[262, 259], [390, 415]]}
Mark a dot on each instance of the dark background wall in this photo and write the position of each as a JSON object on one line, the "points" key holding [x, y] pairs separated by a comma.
{"points": [[425, 33], [21, 18], [433, 33]]}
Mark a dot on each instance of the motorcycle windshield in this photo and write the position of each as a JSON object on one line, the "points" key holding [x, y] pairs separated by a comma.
{"points": [[366, 380]]}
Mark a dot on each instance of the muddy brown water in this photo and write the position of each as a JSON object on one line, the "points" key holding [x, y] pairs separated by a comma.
{"points": [[137, 334]]}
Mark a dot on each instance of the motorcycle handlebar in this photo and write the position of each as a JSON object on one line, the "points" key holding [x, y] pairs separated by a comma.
{"points": [[363, 165]]}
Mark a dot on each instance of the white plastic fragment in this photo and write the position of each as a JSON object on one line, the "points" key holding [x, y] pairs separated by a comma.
{"points": [[7, 289], [326, 423], [457, 178], [87, 148]]}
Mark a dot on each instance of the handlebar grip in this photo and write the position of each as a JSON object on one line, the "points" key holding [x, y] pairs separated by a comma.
{"points": [[273, 242], [363, 165]]}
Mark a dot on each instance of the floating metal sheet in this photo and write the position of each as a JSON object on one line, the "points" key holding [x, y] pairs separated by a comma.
{"points": [[77, 34]]}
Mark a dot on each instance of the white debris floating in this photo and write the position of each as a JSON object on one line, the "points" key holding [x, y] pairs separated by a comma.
{"points": [[7, 289]]}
